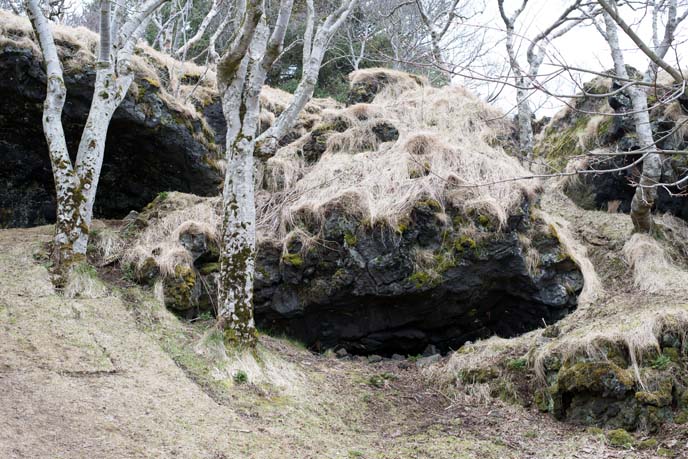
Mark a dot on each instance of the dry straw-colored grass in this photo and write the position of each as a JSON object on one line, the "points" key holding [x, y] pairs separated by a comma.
{"points": [[160, 239], [83, 282], [653, 270], [447, 134]]}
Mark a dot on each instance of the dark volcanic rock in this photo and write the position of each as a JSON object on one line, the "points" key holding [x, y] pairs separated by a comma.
{"points": [[150, 148], [365, 293], [614, 191], [362, 289]]}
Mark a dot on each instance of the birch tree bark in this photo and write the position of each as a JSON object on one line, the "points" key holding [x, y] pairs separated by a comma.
{"points": [[207, 19], [76, 184], [646, 192], [525, 77], [242, 71]]}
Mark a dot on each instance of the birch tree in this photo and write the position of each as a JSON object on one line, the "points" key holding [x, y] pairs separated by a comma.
{"points": [[207, 19], [242, 71], [646, 190], [525, 76], [76, 183]]}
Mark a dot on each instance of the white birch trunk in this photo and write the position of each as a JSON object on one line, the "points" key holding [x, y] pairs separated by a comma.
{"points": [[241, 105], [268, 142], [645, 194], [240, 85], [76, 185], [68, 223]]}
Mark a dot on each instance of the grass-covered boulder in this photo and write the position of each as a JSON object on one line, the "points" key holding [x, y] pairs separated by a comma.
{"points": [[401, 229]]}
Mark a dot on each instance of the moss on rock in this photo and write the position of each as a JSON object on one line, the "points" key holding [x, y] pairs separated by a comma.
{"points": [[605, 378], [619, 438]]}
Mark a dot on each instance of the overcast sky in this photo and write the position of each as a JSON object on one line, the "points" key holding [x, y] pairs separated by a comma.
{"points": [[581, 47]]}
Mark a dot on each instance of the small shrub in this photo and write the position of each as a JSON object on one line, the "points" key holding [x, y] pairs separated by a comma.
{"points": [[240, 377]]}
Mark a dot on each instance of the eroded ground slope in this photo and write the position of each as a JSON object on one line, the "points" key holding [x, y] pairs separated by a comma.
{"points": [[119, 376]]}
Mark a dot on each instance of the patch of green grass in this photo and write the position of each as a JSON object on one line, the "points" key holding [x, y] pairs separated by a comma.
{"points": [[594, 431], [292, 259], [355, 454], [423, 279], [650, 443], [517, 364], [163, 195], [206, 316], [662, 362]]}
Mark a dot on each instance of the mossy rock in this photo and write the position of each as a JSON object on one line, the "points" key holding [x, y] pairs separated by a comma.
{"points": [[681, 417], [659, 398], [180, 289], [604, 378], [619, 438], [147, 272]]}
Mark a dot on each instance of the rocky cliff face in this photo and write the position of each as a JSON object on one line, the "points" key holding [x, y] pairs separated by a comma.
{"points": [[152, 145], [598, 124], [363, 288]]}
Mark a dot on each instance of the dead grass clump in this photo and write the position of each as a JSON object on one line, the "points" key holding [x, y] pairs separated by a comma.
{"points": [[592, 286], [364, 112], [177, 213], [355, 140], [77, 48], [589, 137], [83, 282], [635, 334], [391, 82], [259, 367], [653, 270], [678, 115], [108, 245], [447, 133]]}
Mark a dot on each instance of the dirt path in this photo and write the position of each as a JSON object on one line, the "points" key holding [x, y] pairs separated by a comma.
{"points": [[119, 377]]}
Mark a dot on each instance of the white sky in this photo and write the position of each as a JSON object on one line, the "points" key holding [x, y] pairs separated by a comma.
{"points": [[581, 47]]}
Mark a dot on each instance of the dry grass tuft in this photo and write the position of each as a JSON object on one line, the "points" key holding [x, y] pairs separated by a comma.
{"points": [[258, 367], [589, 137], [108, 245], [592, 287], [635, 332], [160, 239], [392, 82], [653, 270], [77, 48], [446, 145], [83, 282]]}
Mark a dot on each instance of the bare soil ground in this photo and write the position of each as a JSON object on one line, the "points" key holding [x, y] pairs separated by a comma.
{"points": [[120, 377]]}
